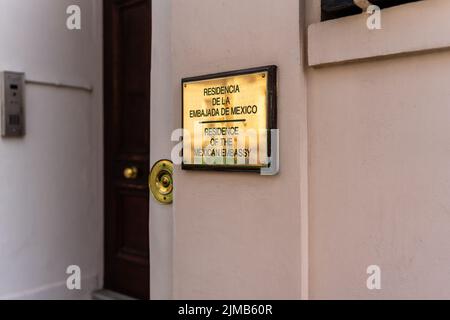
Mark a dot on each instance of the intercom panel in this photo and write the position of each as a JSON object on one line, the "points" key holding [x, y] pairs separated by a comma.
{"points": [[12, 88]]}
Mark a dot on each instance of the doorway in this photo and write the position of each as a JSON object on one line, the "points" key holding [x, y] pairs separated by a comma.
{"points": [[127, 55]]}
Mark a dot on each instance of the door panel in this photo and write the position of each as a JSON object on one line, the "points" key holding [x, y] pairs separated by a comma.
{"points": [[127, 25]]}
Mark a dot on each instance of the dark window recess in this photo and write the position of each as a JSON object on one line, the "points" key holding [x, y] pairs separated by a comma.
{"points": [[14, 120], [332, 9]]}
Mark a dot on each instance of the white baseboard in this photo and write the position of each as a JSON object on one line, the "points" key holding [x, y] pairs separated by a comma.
{"points": [[58, 291]]}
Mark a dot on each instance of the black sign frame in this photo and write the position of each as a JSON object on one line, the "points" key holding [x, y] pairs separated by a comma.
{"points": [[272, 83]]}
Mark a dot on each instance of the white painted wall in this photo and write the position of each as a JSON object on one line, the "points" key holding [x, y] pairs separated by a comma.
{"points": [[162, 123], [240, 235], [51, 180]]}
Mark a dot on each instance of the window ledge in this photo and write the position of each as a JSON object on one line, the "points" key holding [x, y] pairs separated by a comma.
{"points": [[406, 29]]}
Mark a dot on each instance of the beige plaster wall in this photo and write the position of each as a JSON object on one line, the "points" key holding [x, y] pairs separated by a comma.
{"points": [[377, 118], [239, 235], [379, 162]]}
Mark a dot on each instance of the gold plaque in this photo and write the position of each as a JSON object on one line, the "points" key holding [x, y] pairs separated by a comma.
{"points": [[228, 118]]}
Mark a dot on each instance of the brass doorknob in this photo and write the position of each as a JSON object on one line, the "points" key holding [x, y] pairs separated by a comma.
{"points": [[160, 181], [130, 173]]}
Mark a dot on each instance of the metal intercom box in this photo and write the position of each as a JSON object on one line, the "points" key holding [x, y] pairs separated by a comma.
{"points": [[12, 103]]}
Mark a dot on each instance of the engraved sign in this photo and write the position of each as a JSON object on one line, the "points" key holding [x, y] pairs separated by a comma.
{"points": [[228, 118]]}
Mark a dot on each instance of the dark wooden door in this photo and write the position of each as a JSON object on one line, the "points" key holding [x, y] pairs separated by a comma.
{"points": [[127, 54]]}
